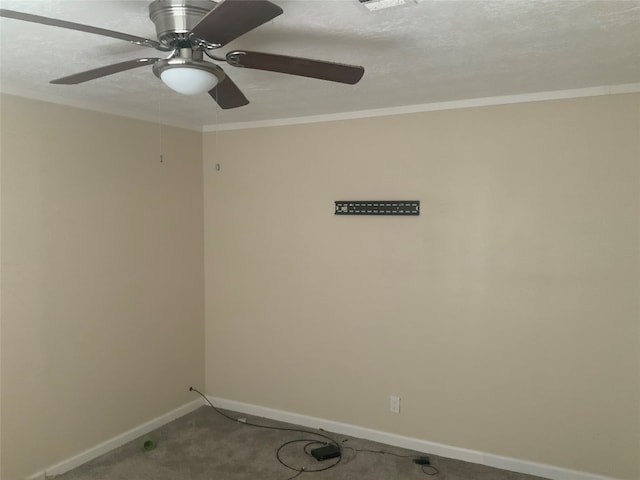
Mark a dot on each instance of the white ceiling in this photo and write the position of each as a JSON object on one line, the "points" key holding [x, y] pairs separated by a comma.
{"points": [[420, 53]]}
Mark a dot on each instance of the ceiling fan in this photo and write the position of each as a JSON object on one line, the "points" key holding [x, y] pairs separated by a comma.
{"points": [[190, 29]]}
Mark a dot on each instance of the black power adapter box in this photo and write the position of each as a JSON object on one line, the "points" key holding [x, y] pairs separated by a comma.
{"points": [[326, 452]]}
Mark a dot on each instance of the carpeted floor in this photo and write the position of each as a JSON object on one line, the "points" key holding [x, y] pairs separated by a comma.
{"points": [[205, 445]]}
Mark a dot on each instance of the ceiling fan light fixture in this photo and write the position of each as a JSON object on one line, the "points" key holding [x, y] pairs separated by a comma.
{"points": [[188, 80], [187, 76]]}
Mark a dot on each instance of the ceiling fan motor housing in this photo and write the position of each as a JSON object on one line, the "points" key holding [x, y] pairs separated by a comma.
{"points": [[174, 19]]}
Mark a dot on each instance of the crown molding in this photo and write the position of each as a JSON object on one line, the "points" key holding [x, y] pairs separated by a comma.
{"points": [[431, 107]]}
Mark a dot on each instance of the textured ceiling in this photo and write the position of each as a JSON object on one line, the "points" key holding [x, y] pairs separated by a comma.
{"points": [[419, 53]]}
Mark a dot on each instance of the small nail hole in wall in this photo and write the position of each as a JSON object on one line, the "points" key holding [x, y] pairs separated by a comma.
{"points": [[217, 167]]}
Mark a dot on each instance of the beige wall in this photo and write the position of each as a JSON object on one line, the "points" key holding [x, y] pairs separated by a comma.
{"points": [[506, 316], [102, 278]]}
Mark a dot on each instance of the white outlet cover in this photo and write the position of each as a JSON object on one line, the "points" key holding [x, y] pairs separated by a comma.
{"points": [[394, 404]]}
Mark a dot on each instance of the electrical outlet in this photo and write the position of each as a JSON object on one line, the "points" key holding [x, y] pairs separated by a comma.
{"points": [[394, 404]]}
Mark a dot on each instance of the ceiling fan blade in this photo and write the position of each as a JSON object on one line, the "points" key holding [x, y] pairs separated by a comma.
{"points": [[104, 71], [305, 67], [27, 17], [232, 18], [228, 95]]}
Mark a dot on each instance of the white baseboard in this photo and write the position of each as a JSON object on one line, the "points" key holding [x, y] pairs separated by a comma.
{"points": [[416, 444], [116, 441]]}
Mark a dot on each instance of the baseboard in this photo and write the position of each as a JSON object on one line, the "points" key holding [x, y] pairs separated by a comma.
{"points": [[416, 444], [491, 460], [116, 441]]}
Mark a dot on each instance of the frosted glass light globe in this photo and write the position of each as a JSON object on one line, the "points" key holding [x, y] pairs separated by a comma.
{"points": [[188, 80]]}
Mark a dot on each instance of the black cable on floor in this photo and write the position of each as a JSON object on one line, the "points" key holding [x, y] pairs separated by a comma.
{"points": [[299, 470], [416, 459], [434, 471]]}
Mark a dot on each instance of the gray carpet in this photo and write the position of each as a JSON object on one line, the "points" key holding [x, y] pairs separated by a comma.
{"points": [[204, 445]]}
